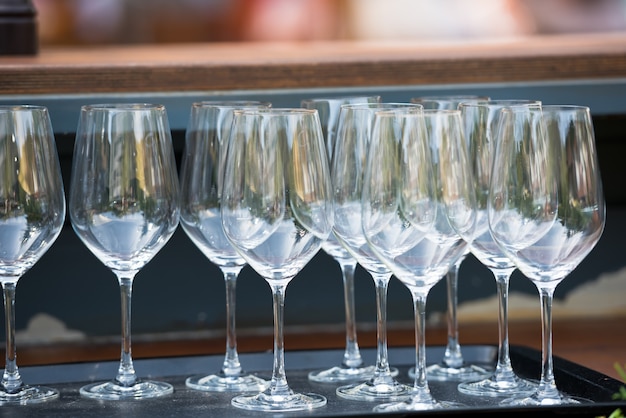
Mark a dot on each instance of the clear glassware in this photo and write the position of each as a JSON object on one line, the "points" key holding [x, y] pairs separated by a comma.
{"points": [[32, 211], [546, 208], [480, 120], [352, 367], [452, 366], [124, 206], [202, 166], [277, 211], [347, 171], [447, 102], [418, 204]]}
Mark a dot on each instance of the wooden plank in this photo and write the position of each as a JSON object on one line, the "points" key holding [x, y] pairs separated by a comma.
{"points": [[245, 66]]}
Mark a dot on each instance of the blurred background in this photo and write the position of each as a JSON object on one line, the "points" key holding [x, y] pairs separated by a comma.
{"points": [[70, 22]]}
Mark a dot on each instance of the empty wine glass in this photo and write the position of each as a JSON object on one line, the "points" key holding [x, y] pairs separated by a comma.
{"points": [[446, 102], [277, 211], [453, 366], [124, 207], [32, 211], [352, 367], [347, 171], [546, 208], [418, 203], [481, 119], [206, 141]]}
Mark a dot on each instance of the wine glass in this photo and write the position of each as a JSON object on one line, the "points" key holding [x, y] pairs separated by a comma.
{"points": [[546, 208], [446, 102], [206, 141], [277, 211], [452, 367], [32, 211], [352, 367], [481, 119], [124, 207], [418, 204], [347, 171]]}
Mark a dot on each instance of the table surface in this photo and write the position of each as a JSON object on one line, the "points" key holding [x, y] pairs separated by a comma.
{"points": [[571, 378]]}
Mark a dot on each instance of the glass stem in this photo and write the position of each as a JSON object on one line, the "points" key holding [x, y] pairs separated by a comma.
{"points": [[452, 356], [547, 386], [422, 391], [382, 374], [352, 355], [504, 370], [11, 379], [278, 385], [231, 366], [126, 375]]}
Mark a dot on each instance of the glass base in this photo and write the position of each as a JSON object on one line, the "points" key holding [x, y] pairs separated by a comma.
{"points": [[28, 395], [381, 392], [340, 374], [114, 391], [279, 403], [221, 383], [538, 400], [465, 373], [516, 386], [422, 405]]}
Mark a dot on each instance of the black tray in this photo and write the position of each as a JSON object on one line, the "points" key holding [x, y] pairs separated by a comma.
{"points": [[68, 378]]}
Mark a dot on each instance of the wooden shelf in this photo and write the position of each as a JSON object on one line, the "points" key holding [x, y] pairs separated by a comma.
{"points": [[253, 66]]}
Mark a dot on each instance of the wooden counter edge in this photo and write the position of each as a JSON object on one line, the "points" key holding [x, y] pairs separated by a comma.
{"points": [[245, 66]]}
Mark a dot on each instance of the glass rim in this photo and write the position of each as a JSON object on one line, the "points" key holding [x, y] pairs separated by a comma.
{"points": [[501, 103], [381, 106], [275, 111], [402, 111], [431, 112], [122, 107], [416, 111], [22, 108], [230, 104], [340, 98], [555, 107], [444, 98]]}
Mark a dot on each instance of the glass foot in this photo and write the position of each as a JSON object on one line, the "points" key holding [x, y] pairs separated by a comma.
{"points": [[390, 391], [493, 387], [279, 403], [28, 395], [114, 391], [541, 400], [415, 405], [221, 383], [340, 374], [465, 373]]}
